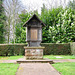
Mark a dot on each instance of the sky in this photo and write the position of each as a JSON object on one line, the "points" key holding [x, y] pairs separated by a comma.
{"points": [[33, 4], [37, 4]]}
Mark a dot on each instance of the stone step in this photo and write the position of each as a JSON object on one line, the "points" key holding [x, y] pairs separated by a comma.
{"points": [[22, 60]]}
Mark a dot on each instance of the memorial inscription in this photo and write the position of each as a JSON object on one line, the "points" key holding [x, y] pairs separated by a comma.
{"points": [[34, 35]]}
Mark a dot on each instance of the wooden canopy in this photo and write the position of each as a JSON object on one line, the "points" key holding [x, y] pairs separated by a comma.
{"points": [[34, 17]]}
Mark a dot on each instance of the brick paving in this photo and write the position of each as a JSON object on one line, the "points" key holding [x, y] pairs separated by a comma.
{"points": [[36, 69]]}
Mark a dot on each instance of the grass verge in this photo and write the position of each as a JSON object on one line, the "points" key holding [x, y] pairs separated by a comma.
{"points": [[8, 68], [66, 68]]}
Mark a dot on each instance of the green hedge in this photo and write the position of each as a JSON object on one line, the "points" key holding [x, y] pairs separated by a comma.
{"points": [[12, 49], [72, 45], [56, 49], [18, 49]]}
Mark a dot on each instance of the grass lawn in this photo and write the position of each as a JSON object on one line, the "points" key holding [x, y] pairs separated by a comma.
{"points": [[45, 56], [59, 56], [10, 57], [66, 68], [8, 68]]}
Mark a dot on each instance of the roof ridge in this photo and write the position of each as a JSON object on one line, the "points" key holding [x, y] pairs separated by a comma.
{"points": [[31, 18]]}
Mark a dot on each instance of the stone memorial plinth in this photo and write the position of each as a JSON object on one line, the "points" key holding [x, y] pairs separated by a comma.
{"points": [[34, 52], [34, 38]]}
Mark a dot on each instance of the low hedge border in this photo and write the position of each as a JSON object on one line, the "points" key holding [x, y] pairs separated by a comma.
{"points": [[12, 49], [72, 46], [56, 49], [50, 48]]}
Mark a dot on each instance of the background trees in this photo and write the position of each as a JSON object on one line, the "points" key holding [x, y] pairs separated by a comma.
{"points": [[60, 22], [72, 5], [2, 19], [60, 25], [50, 18], [12, 9], [20, 30], [64, 30]]}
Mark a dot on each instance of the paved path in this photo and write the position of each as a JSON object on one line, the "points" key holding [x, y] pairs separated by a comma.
{"points": [[8, 61], [36, 69], [63, 60], [55, 60]]}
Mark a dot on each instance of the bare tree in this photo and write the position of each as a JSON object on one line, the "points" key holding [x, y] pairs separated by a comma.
{"points": [[12, 9], [55, 3]]}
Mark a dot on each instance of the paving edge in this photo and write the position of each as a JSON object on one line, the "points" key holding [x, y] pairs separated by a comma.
{"points": [[35, 61]]}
